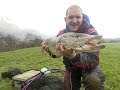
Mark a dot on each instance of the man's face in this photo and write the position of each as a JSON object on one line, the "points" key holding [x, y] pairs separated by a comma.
{"points": [[74, 19]]}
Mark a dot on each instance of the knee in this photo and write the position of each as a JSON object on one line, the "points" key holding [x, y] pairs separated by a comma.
{"points": [[92, 82], [93, 78]]}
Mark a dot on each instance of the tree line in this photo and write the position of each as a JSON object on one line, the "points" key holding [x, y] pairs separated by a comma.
{"points": [[9, 42]]}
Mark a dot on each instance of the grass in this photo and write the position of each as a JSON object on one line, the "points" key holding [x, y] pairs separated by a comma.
{"points": [[33, 58], [110, 63]]}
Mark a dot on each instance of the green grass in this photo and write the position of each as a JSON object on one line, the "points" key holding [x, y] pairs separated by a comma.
{"points": [[110, 63], [33, 58]]}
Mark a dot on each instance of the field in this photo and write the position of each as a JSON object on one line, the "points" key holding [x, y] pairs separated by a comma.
{"points": [[34, 58]]}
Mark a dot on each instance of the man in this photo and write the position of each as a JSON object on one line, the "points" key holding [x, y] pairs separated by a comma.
{"points": [[85, 65]]}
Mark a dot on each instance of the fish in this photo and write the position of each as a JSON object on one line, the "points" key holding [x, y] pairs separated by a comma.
{"points": [[79, 42]]}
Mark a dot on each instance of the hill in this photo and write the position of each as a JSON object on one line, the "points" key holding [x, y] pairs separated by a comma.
{"points": [[33, 58]]}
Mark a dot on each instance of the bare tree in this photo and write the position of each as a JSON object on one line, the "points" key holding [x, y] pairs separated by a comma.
{"points": [[32, 40], [10, 42]]}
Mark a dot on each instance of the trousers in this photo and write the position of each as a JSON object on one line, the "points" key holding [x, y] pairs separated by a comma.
{"points": [[91, 79]]}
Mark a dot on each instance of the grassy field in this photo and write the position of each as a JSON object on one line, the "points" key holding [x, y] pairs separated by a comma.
{"points": [[34, 58]]}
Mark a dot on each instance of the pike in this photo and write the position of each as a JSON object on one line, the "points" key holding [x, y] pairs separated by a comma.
{"points": [[79, 42]]}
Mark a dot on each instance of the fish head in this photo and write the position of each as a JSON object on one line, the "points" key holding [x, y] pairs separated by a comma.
{"points": [[90, 44]]}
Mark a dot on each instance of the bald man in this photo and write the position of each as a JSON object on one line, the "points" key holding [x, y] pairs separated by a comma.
{"points": [[80, 67]]}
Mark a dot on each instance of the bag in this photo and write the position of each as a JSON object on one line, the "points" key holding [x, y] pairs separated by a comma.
{"points": [[10, 73], [20, 80]]}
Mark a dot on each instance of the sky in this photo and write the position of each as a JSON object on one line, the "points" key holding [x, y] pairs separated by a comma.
{"points": [[47, 16]]}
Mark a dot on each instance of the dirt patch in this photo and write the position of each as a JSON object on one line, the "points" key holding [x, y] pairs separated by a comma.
{"points": [[47, 83]]}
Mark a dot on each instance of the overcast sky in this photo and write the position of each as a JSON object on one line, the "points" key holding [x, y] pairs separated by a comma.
{"points": [[47, 16]]}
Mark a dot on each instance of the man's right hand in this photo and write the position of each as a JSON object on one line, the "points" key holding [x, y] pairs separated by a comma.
{"points": [[46, 48]]}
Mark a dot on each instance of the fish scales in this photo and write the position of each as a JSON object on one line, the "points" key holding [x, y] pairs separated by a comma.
{"points": [[75, 41]]}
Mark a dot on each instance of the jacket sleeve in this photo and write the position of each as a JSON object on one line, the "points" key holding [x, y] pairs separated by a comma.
{"points": [[85, 60]]}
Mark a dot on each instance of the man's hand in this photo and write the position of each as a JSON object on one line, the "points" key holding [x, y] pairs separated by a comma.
{"points": [[69, 53], [46, 48]]}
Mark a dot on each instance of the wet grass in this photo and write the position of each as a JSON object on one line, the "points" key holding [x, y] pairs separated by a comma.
{"points": [[34, 58]]}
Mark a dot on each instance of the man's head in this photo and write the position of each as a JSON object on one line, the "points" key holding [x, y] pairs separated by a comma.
{"points": [[73, 17]]}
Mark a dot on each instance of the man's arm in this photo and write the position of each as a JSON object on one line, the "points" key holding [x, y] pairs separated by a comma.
{"points": [[84, 60]]}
